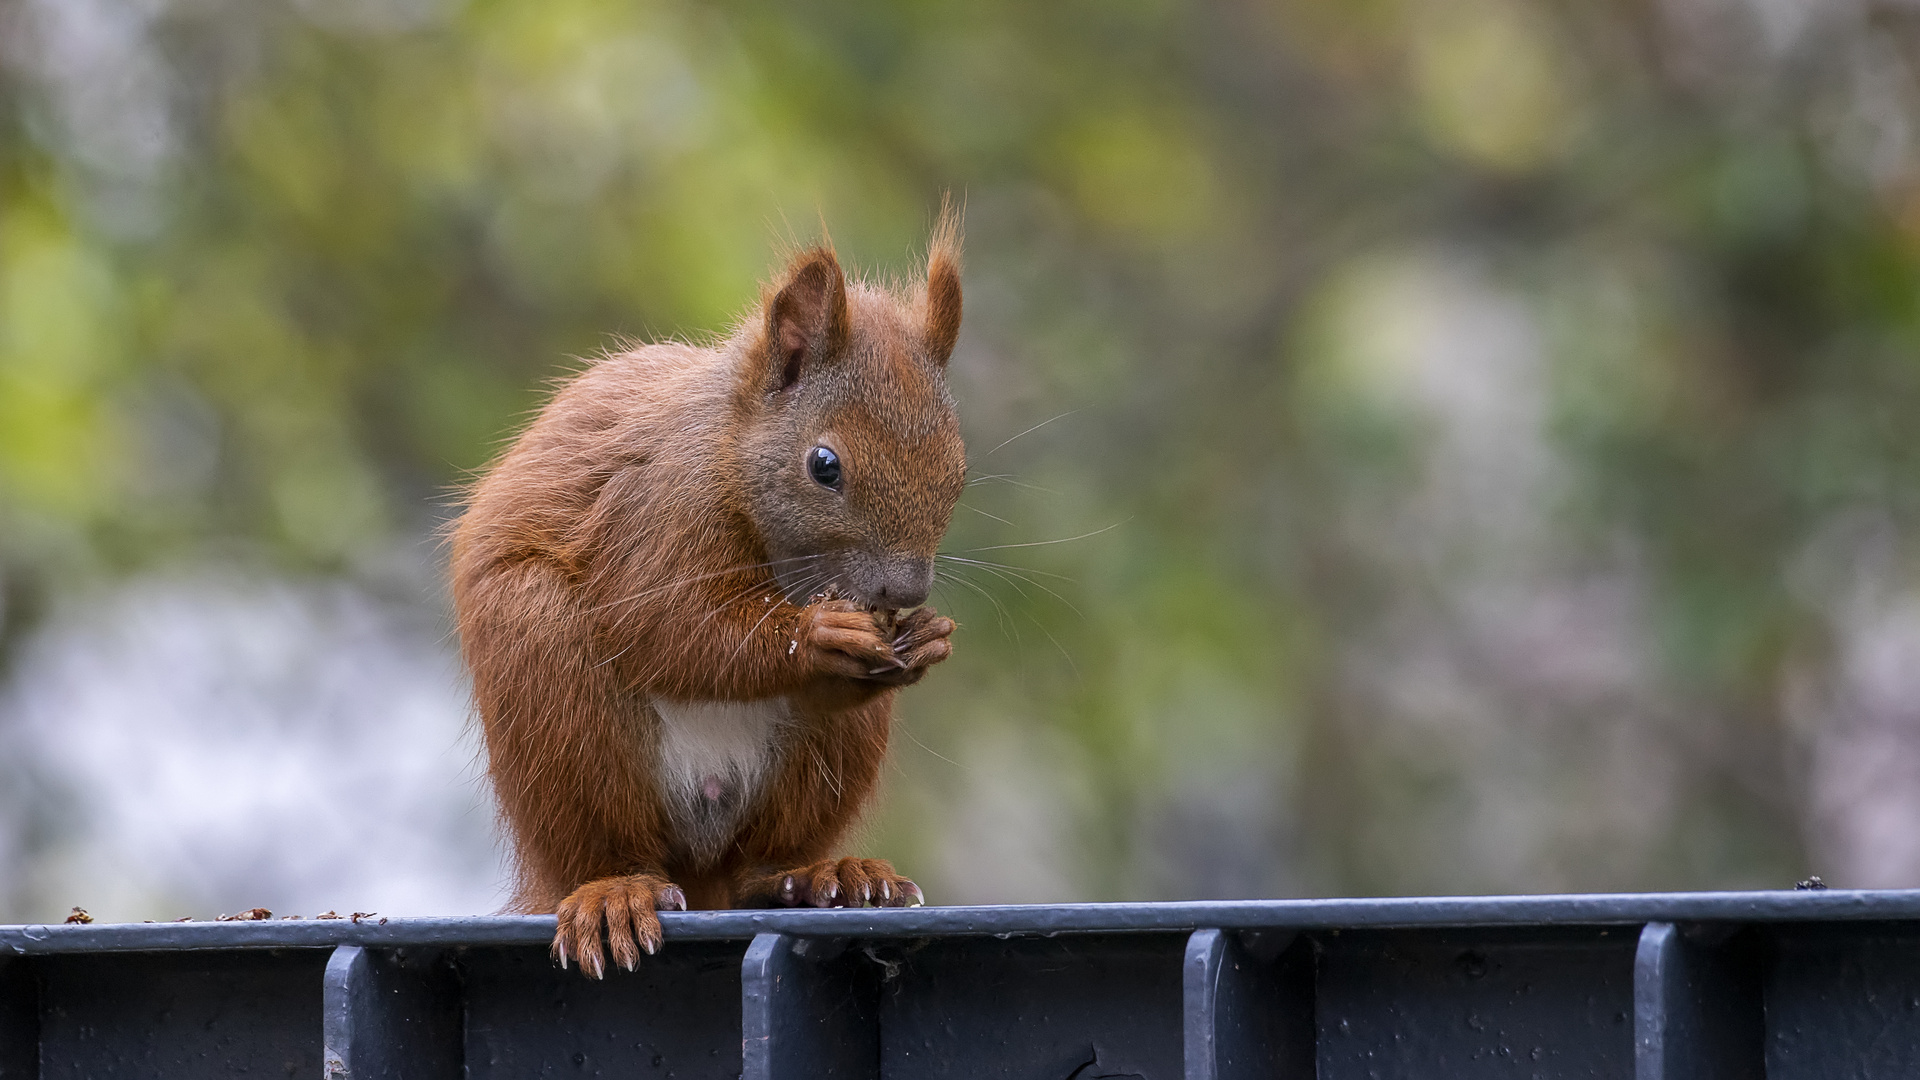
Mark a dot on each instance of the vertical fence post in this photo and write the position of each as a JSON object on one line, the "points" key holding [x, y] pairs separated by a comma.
{"points": [[1697, 1012], [346, 1014], [1248, 1012], [808, 1009], [389, 1014]]}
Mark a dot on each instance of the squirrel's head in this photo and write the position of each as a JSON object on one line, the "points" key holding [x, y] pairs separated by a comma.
{"points": [[851, 450]]}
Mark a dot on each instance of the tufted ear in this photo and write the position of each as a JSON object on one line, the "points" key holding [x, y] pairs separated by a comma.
{"points": [[943, 285], [807, 319]]}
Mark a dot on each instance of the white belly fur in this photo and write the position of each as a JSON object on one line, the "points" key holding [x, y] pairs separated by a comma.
{"points": [[715, 756]]}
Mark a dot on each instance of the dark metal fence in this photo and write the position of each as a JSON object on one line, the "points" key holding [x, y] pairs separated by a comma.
{"points": [[1657, 987]]}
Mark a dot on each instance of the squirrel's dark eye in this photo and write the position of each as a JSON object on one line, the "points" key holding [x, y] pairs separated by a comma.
{"points": [[824, 466]]}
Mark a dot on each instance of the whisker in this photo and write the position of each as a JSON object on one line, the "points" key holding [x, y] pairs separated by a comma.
{"points": [[1034, 428], [983, 513], [1007, 478], [904, 730], [738, 595], [1010, 581], [1001, 566], [1044, 543], [752, 630], [680, 582], [1015, 577], [734, 598], [825, 773], [615, 656], [1064, 655], [807, 587], [1002, 615], [1015, 574]]}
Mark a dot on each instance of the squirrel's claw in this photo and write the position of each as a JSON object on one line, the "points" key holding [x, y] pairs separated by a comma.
{"points": [[920, 642], [625, 908], [836, 883]]}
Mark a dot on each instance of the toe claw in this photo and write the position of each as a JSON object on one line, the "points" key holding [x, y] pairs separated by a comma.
{"points": [[837, 883], [624, 908]]}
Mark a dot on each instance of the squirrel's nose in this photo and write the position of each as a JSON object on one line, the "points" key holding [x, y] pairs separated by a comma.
{"points": [[903, 583]]}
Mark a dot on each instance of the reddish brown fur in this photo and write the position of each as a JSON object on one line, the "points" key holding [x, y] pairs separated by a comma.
{"points": [[617, 555]]}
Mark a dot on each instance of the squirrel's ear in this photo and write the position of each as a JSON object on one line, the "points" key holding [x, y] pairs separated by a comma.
{"points": [[807, 318], [943, 285]]}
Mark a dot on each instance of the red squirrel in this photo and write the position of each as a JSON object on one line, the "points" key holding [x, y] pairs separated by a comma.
{"points": [[689, 593]]}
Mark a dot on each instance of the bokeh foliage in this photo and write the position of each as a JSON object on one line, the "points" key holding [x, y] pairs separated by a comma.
{"points": [[1461, 398]]}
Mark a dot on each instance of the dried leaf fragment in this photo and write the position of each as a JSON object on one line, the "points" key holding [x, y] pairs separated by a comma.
{"points": [[249, 915]]}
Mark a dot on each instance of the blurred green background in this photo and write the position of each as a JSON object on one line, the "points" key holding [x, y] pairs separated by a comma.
{"points": [[1477, 451]]}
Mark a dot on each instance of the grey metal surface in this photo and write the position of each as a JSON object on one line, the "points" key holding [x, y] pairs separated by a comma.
{"points": [[1549, 1002], [1842, 1001], [180, 1015], [1092, 1005], [677, 1015], [1656, 987], [19, 1019]]}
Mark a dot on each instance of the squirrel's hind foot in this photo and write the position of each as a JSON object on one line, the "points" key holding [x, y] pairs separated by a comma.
{"points": [[625, 907], [834, 883]]}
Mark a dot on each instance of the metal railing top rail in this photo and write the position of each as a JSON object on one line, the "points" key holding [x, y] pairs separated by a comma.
{"points": [[1789, 985], [1773, 906]]}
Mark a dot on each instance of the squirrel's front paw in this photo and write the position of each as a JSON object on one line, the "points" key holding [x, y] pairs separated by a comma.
{"points": [[842, 638], [919, 642], [626, 907], [836, 883]]}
